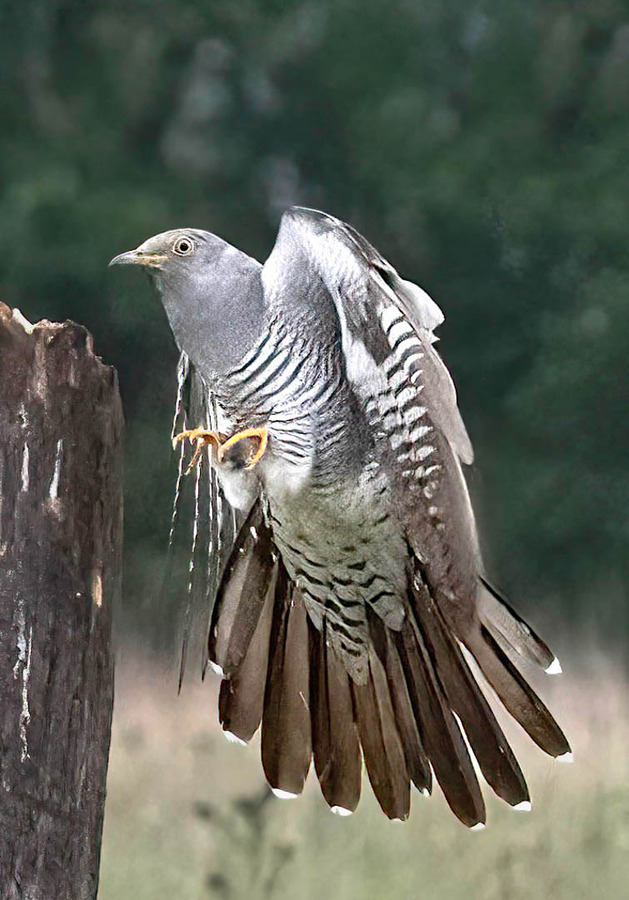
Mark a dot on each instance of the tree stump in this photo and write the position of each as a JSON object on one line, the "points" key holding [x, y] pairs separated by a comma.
{"points": [[60, 571]]}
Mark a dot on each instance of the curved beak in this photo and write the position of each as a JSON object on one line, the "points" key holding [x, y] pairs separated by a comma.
{"points": [[138, 258]]}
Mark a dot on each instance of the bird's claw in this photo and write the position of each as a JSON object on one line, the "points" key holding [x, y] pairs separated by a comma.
{"points": [[261, 434], [202, 438], [222, 445]]}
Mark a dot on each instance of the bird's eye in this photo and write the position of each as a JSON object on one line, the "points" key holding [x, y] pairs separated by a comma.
{"points": [[183, 246]]}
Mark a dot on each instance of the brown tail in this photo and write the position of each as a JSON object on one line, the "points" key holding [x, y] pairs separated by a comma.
{"points": [[409, 718], [286, 742], [516, 694], [508, 628], [335, 744]]}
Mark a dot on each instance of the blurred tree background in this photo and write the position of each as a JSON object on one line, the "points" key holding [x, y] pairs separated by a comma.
{"points": [[481, 145]]}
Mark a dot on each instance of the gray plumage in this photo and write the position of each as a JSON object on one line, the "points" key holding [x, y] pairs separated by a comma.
{"points": [[357, 574]]}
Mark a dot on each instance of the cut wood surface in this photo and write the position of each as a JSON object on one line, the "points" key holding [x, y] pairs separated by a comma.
{"points": [[60, 569]]}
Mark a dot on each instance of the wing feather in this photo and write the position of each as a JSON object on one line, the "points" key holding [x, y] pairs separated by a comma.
{"points": [[362, 283], [387, 336]]}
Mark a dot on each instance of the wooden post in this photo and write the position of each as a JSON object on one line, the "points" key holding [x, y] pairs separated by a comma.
{"points": [[60, 566]]}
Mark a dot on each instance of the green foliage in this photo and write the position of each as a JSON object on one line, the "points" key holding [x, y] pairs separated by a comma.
{"points": [[482, 146]]}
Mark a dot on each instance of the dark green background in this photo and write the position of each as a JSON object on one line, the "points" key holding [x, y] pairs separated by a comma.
{"points": [[482, 146]]}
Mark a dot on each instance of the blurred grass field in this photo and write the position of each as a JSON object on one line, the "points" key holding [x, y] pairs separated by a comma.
{"points": [[188, 817]]}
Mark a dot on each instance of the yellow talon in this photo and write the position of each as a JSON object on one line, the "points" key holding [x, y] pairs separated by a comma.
{"points": [[260, 433], [202, 438]]}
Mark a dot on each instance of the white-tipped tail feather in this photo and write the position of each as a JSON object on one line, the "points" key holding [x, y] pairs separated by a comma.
{"points": [[565, 758], [419, 717], [234, 739], [554, 668], [283, 795], [513, 632]]}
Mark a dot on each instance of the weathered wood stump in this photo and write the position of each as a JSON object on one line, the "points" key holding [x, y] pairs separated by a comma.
{"points": [[60, 568]]}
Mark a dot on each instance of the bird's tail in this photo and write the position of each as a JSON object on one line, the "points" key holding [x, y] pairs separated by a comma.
{"points": [[419, 711], [511, 631]]}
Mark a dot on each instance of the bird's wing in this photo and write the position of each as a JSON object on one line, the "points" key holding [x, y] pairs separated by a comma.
{"points": [[387, 331], [409, 398], [387, 327], [367, 291]]}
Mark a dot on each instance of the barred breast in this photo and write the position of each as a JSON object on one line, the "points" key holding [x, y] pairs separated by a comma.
{"points": [[345, 552]]}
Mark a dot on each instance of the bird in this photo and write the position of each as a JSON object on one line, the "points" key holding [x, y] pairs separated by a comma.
{"points": [[353, 611]]}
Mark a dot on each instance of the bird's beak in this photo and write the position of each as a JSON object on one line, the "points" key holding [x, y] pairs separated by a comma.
{"points": [[139, 258]]}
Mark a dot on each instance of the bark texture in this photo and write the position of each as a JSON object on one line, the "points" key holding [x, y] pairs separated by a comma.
{"points": [[60, 569]]}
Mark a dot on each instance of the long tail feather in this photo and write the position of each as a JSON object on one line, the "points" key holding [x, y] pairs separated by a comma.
{"points": [[439, 730], [417, 763], [241, 698], [286, 735], [336, 750], [380, 740], [516, 694], [495, 757], [411, 715], [242, 593], [506, 625]]}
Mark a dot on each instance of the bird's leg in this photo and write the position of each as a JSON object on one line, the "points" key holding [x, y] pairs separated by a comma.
{"points": [[202, 437], [261, 434]]}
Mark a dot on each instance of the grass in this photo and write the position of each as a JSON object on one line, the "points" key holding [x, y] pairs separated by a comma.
{"points": [[188, 816]]}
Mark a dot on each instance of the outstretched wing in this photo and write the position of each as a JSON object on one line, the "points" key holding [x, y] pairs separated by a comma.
{"points": [[387, 327], [377, 307]]}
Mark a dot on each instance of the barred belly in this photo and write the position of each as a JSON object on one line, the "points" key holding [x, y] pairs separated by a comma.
{"points": [[345, 553]]}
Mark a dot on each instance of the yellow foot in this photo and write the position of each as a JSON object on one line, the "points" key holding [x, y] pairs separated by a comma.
{"points": [[202, 439], [260, 434], [221, 445]]}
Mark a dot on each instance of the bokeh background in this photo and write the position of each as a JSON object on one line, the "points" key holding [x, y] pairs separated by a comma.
{"points": [[483, 147]]}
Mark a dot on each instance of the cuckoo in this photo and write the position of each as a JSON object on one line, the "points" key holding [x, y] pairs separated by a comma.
{"points": [[354, 597]]}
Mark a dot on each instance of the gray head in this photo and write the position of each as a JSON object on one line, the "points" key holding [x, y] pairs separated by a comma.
{"points": [[211, 291]]}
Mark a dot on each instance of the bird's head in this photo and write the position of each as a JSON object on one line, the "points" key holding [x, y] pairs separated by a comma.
{"points": [[175, 256], [211, 291]]}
